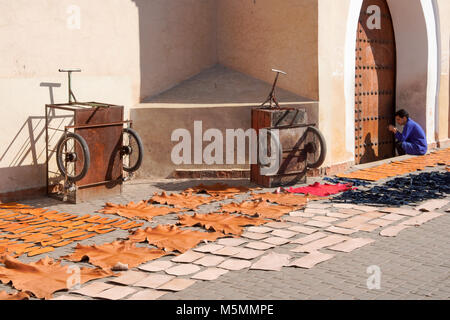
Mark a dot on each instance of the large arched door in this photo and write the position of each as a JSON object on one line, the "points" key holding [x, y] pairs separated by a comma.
{"points": [[375, 77]]}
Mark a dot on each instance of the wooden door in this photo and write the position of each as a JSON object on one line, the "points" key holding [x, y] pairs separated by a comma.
{"points": [[375, 77]]}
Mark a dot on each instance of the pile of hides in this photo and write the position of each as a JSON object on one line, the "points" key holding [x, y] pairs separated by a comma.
{"points": [[402, 190]]}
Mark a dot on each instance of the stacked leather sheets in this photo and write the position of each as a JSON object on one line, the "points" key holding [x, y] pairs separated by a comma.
{"points": [[396, 168]]}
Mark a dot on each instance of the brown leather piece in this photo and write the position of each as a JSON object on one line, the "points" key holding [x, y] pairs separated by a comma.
{"points": [[287, 199], [99, 227], [59, 217], [107, 220], [13, 205], [117, 224], [170, 237], [40, 251], [400, 167], [108, 255], [3, 222], [18, 248], [40, 229], [46, 228], [183, 200], [12, 226], [62, 231], [44, 277], [87, 236], [104, 231], [63, 243], [260, 208], [50, 241], [14, 296], [218, 189], [20, 217], [226, 223], [11, 216], [131, 225], [86, 216], [84, 226], [73, 234], [25, 219], [35, 237], [39, 221], [140, 210], [69, 224], [31, 249], [37, 212], [92, 219], [7, 244]]}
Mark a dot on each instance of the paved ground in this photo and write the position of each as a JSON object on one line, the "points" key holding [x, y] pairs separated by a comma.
{"points": [[414, 265]]}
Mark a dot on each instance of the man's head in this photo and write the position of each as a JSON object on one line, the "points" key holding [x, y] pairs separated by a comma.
{"points": [[401, 117]]}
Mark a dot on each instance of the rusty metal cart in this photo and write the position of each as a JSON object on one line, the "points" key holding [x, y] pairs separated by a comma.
{"points": [[300, 145], [94, 153]]}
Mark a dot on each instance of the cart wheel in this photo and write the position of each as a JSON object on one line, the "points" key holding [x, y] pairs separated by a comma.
{"points": [[315, 147], [73, 157], [132, 150]]}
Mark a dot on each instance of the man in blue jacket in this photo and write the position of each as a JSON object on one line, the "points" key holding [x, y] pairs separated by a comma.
{"points": [[412, 139]]}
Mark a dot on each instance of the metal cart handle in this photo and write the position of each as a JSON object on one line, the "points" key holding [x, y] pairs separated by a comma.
{"points": [[69, 70], [275, 70]]}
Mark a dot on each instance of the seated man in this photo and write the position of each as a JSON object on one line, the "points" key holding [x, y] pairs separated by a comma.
{"points": [[412, 139]]}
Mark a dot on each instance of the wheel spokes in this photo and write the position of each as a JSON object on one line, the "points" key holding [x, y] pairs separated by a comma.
{"points": [[130, 157], [73, 157]]}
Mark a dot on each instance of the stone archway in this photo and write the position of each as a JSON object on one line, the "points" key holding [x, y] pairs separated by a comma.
{"points": [[414, 25]]}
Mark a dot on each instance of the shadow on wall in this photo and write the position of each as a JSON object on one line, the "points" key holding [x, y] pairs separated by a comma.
{"points": [[222, 86], [22, 162], [177, 40], [34, 128]]}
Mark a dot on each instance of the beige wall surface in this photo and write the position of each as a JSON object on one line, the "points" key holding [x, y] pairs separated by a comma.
{"points": [[256, 36], [37, 38], [412, 46], [178, 40], [444, 88], [127, 49], [332, 99]]}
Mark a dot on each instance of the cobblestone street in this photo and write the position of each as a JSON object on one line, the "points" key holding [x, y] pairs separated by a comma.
{"points": [[413, 265]]}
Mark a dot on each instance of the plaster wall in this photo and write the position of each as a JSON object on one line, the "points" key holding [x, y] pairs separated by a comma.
{"points": [[335, 117], [127, 50], [443, 118], [178, 40], [255, 36], [416, 60], [39, 37]]}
